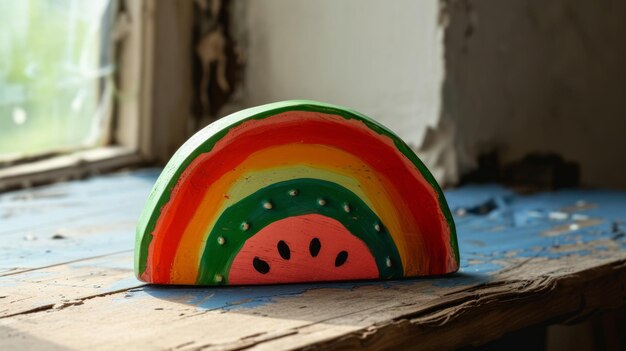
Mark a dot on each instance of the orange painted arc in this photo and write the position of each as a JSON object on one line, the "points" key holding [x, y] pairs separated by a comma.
{"points": [[379, 192]]}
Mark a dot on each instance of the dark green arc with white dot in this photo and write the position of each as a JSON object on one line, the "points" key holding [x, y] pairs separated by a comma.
{"points": [[291, 198]]}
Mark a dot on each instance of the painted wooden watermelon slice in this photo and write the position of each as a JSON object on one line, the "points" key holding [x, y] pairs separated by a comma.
{"points": [[294, 191]]}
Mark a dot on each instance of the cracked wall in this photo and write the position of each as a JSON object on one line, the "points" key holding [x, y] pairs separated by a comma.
{"points": [[526, 75]]}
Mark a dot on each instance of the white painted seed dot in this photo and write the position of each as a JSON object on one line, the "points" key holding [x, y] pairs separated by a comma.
{"points": [[221, 240], [293, 192], [346, 207], [388, 262], [267, 205], [245, 226], [377, 227], [321, 202], [218, 278]]}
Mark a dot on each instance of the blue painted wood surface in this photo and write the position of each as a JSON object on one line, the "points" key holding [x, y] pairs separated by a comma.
{"points": [[70, 221], [66, 261], [79, 220], [95, 215]]}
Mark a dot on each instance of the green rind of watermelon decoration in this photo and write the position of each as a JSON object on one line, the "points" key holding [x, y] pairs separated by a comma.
{"points": [[294, 191]]}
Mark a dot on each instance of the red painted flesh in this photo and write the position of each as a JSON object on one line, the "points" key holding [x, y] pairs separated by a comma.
{"points": [[297, 233], [309, 128]]}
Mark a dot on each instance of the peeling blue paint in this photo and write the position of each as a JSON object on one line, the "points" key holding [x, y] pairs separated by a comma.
{"points": [[514, 228], [517, 223], [511, 226]]}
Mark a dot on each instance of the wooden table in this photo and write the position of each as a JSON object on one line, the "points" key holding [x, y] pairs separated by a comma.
{"points": [[66, 278]]}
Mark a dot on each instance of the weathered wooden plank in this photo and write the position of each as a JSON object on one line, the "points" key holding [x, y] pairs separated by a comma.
{"points": [[197, 317], [66, 284], [35, 207], [525, 260], [475, 315], [71, 221], [373, 314]]}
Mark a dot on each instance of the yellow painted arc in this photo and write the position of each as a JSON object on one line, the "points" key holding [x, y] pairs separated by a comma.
{"points": [[284, 162], [260, 179]]}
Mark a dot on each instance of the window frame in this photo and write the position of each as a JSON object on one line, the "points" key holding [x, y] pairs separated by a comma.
{"points": [[131, 141]]}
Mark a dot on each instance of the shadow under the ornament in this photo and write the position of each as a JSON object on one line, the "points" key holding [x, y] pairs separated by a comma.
{"points": [[309, 301]]}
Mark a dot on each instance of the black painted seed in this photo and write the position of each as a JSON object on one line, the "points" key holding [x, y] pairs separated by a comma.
{"points": [[314, 247], [260, 265], [341, 258], [283, 250]]}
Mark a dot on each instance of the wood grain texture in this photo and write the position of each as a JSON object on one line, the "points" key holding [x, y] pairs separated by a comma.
{"points": [[517, 271], [70, 221], [66, 284]]}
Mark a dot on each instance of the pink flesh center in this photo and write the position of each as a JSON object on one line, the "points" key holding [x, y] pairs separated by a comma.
{"points": [[303, 248]]}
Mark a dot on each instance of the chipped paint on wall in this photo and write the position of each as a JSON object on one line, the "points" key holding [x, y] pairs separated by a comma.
{"points": [[525, 76]]}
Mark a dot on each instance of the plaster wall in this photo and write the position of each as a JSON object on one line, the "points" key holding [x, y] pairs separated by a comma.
{"points": [[529, 75], [382, 58]]}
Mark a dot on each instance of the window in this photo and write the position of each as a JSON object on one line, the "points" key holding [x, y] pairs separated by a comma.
{"points": [[56, 76], [74, 87]]}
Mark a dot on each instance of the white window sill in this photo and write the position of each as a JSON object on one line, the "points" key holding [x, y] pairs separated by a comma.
{"points": [[68, 166]]}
